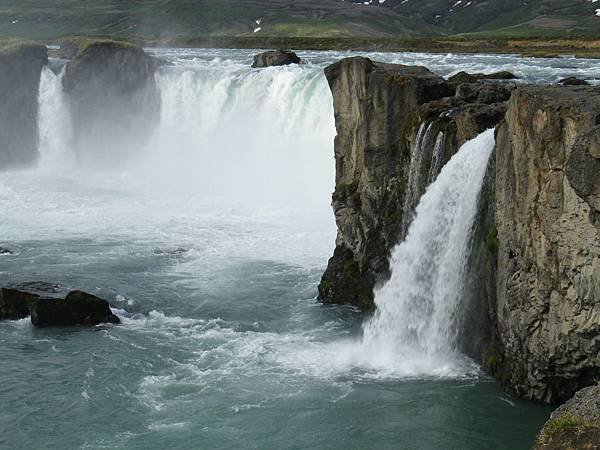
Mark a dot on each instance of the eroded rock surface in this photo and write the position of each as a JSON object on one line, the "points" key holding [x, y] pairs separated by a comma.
{"points": [[548, 288]]}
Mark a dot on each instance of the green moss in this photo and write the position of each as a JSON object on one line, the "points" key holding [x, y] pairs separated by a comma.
{"points": [[12, 46], [347, 193], [491, 240]]}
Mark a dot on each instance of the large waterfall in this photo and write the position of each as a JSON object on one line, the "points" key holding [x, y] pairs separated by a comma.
{"points": [[225, 130], [416, 310]]}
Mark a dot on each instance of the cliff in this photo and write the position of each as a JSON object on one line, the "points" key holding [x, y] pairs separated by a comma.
{"points": [[547, 208], [21, 65], [112, 95], [396, 127], [531, 306]]}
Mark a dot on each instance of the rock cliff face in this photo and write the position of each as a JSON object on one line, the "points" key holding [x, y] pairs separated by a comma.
{"points": [[21, 65], [547, 209], [396, 127], [113, 97], [531, 310]]}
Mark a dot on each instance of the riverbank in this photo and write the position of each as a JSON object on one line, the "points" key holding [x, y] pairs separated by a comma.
{"points": [[583, 47]]}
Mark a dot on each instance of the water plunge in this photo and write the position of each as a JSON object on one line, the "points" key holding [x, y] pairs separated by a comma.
{"points": [[418, 307]]}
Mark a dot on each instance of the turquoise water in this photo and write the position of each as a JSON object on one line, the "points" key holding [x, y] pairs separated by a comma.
{"points": [[210, 247]]}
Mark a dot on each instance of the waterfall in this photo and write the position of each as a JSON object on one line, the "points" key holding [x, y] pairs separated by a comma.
{"points": [[54, 121], [418, 307], [225, 130]]}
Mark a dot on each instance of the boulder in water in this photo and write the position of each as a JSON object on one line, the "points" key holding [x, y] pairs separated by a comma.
{"points": [[465, 77], [15, 304], [573, 81], [5, 251], [21, 65], [77, 308], [275, 58]]}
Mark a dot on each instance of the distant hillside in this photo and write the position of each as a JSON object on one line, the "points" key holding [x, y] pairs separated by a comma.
{"points": [[509, 17], [297, 18]]}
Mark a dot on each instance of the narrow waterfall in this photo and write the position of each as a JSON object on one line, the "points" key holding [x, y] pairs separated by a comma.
{"points": [[54, 121], [418, 307], [426, 160]]}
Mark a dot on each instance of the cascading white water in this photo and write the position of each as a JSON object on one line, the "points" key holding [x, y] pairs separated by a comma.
{"points": [[417, 307], [54, 121], [225, 130]]}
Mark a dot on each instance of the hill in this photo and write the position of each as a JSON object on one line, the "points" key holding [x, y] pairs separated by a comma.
{"points": [[298, 18]]}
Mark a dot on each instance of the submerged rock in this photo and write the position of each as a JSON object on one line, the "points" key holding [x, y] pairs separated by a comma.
{"points": [[275, 58], [573, 81], [15, 304], [21, 65], [38, 287], [77, 308], [574, 425]]}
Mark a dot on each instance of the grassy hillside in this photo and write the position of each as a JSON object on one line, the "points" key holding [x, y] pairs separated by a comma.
{"points": [[169, 18], [297, 18]]}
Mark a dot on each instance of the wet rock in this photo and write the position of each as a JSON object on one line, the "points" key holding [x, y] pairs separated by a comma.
{"points": [[275, 58], [77, 308], [574, 425], [5, 252], [21, 65], [15, 304], [573, 81], [113, 98], [464, 77]]}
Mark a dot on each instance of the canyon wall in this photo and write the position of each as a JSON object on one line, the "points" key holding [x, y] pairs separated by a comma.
{"points": [[531, 307]]}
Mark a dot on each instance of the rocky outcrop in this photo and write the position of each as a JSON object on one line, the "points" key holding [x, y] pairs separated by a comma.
{"points": [[396, 127], [464, 77], [575, 425], [547, 204], [21, 65], [531, 306], [113, 97], [77, 308], [275, 58]]}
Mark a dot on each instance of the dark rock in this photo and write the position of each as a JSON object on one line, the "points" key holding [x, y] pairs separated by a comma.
{"points": [[275, 58], [21, 65], [486, 93], [78, 308], [113, 98], [574, 425], [464, 77], [5, 251], [573, 81], [14, 304]]}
